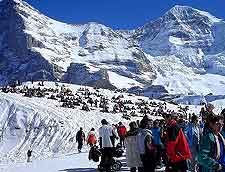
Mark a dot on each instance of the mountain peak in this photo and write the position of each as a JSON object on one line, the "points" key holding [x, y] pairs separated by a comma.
{"points": [[180, 7], [180, 11]]}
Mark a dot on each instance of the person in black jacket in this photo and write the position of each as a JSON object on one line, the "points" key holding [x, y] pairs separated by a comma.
{"points": [[80, 137], [29, 152]]}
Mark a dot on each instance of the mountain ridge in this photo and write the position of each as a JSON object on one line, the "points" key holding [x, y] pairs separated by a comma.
{"points": [[91, 53]]}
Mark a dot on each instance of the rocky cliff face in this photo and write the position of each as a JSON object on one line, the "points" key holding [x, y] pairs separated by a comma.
{"points": [[37, 47], [17, 60]]}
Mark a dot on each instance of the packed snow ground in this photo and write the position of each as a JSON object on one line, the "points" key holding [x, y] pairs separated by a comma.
{"points": [[67, 163]]}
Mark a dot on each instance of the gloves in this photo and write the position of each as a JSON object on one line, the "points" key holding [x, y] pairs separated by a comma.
{"points": [[219, 167]]}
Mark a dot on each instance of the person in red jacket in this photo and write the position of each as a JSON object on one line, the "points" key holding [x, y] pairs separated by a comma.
{"points": [[122, 132], [177, 148], [91, 138]]}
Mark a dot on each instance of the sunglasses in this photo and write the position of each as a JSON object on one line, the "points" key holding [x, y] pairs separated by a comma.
{"points": [[219, 124]]}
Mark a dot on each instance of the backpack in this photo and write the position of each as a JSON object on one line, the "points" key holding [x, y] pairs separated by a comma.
{"points": [[92, 139], [94, 154], [80, 136], [122, 131]]}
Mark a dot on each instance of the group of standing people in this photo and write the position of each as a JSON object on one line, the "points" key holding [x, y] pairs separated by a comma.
{"points": [[196, 145], [117, 131]]}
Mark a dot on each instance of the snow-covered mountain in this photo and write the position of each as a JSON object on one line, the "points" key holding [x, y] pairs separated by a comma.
{"points": [[182, 46], [185, 32]]}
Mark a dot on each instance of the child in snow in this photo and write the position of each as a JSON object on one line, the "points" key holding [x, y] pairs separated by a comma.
{"points": [[29, 152]]}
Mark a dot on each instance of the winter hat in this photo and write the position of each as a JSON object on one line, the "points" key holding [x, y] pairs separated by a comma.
{"points": [[104, 122], [210, 106]]}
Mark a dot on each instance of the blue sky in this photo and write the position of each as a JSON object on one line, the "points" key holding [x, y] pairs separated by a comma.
{"points": [[119, 14]]}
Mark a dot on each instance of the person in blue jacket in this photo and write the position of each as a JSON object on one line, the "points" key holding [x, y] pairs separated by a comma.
{"points": [[156, 132], [192, 132]]}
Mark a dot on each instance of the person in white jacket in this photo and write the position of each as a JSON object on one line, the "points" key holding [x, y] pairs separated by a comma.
{"points": [[133, 158], [105, 136]]}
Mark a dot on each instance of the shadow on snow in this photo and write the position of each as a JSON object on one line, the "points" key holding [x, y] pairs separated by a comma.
{"points": [[79, 170], [88, 170]]}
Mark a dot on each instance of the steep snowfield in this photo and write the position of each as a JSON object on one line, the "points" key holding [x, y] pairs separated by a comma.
{"points": [[180, 76], [180, 79], [194, 37], [121, 81], [64, 42]]}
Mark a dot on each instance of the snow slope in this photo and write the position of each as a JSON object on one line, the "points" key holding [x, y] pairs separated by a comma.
{"points": [[179, 79], [44, 126], [121, 81]]}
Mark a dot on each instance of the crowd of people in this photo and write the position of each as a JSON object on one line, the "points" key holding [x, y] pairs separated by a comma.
{"points": [[179, 141], [87, 99], [196, 145]]}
